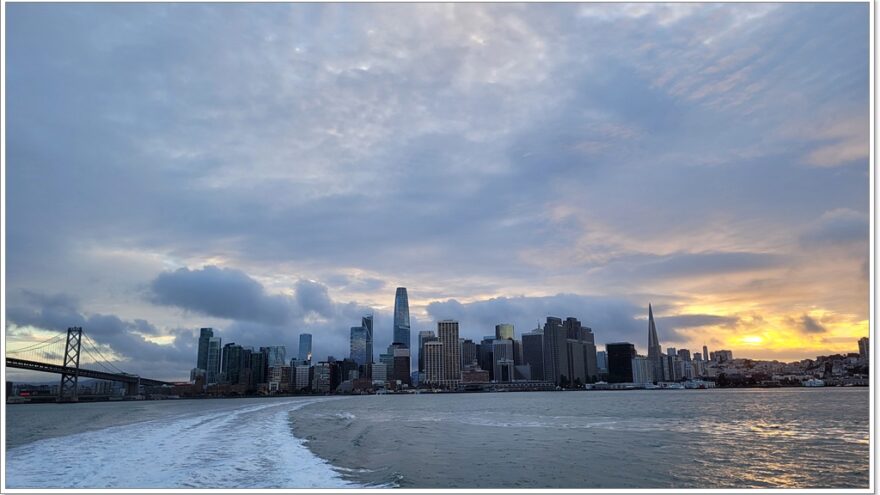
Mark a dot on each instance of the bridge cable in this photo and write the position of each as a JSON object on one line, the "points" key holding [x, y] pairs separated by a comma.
{"points": [[36, 346], [95, 348]]}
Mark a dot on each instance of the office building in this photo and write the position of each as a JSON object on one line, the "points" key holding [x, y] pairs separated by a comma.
{"points": [[533, 353], [502, 354], [706, 353], [367, 324], [684, 355], [212, 374], [401, 317], [504, 331], [864, 350], [602, 361], [358, 345], [484, 354], [276, 355], [655, 354], [620, 356], [205, 335], [555, 352], [322, 378], [303, 378], [401, 370], [447, 333], [305, 348], [424, 336], [379, 372], [231, 365], [724, 356], [642, 369], [468, 353]]}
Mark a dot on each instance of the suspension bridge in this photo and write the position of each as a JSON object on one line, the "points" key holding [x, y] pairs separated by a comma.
{"points": [[61, 355]]}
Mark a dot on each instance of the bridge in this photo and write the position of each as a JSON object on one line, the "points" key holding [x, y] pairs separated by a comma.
{"points": [[61, 355]]}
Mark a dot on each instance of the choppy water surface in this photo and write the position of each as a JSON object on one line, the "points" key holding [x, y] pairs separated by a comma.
{"points": [[806, 438], [813, 438]]}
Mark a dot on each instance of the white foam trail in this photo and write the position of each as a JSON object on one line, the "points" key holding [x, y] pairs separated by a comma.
{"points": [[247, 447]]}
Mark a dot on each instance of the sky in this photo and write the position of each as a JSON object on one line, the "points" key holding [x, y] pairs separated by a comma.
{"points": [[273, 169]]}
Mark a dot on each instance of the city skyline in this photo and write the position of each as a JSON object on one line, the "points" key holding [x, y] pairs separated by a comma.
{"points": [[504, 162]]}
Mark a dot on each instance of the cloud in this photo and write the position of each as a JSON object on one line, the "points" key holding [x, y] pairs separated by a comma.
{"points": [[837, 227], [810, 325], [226, 293]]}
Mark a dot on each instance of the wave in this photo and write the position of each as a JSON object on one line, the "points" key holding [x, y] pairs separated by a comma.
{"points": [[247, 447]]}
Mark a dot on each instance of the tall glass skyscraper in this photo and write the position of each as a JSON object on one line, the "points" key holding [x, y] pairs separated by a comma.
{"points": [[212, 365], [305, 348], [367, 324], [205, 335], [401, 317], [358, 344]]}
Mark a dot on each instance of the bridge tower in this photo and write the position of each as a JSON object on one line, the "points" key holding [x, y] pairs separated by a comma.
{"points": [[69, 382]]}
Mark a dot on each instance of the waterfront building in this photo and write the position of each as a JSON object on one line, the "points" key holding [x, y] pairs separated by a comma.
{"points": [[620, 356], [602, 361], [303, 377], [424, 336], [231, 364], [433, 357], [305, 348], [447, 332], [533, 353], [401, 317], [655, 354], [401, 370], [367, 325], [864, 350], [484, 354], [358, 345], [276, 355], [205, 334], [322, 377], [502, 354], [379, 372], [212, 373], [259, 368], [468, 353], [642, 369], [504, 331], [474, 376], [555, 351]]}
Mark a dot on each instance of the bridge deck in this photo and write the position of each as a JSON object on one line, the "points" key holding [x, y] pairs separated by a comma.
{"points": [[83, 372]]}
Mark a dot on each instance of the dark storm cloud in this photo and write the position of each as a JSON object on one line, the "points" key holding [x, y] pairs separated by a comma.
{"points": [[227, 293], [811, 325]]}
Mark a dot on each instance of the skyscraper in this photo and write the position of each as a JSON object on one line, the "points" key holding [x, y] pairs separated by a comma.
{"points": [[504, 331], [433, 362], [401, 317], [555, 352], [367, 323], [705, 353], [305, 348], [655, 354], [212, 372], [864, 350], [424, 336], [205, 335], [620, 356], [447, 333], [533, 353], [276, 355], [358, 345], [468, 352]]}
